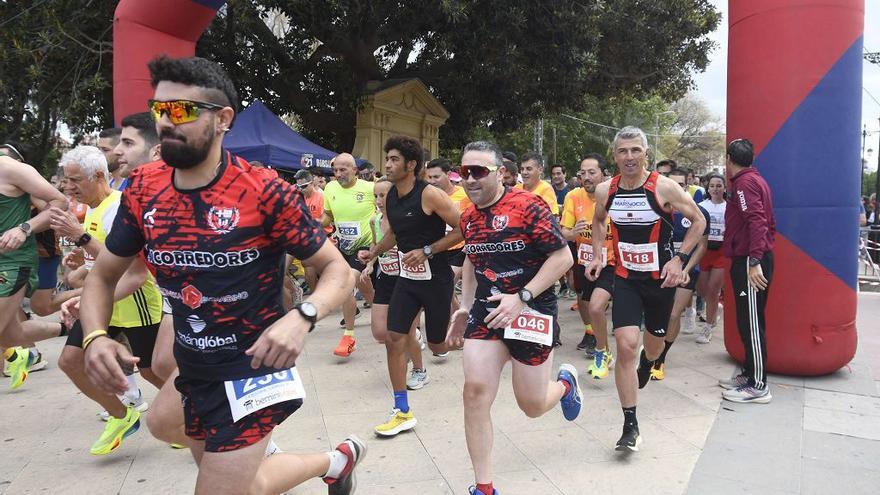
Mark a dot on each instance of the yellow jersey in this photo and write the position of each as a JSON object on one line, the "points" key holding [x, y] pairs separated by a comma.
{"points": [[545, 191]]}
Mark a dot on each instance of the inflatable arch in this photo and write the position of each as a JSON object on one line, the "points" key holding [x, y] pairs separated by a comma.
{"points": [[794, 89]]}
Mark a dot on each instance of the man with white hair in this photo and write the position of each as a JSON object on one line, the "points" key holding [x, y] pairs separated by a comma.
{"points": [[137, 315]]}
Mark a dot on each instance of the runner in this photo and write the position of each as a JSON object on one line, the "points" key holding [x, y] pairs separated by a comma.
{"points": [[685, 291], [417, 217], [108, 139], [532, 169], [349, 204], [216, 230], [714, 263], [577, 225], [640, 205], [384, 273], [515, 252], [20, 185], [559, 183]]}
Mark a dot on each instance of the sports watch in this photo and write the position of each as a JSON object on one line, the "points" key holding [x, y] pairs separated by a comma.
{"points": [[429, 253], [525, 295], [26, 228], [83, 239], [309, 312], [684, 257]]}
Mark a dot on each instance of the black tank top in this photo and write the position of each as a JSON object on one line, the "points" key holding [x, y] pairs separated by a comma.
{"points": [[414, 229]]}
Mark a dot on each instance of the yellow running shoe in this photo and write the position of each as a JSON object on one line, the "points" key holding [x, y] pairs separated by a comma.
{"points": [[397, 422], [602, 361], [18, 367], [117, 430], [658, 372]]}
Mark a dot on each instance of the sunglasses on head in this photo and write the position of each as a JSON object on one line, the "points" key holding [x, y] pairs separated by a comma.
{"points": [[475, 171], [180, 111]]}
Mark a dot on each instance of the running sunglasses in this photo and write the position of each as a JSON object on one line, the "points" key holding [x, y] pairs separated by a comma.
{"points": [[180, 111], [476, 171]]}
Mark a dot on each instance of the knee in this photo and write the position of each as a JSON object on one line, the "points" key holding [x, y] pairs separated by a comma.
{"points": [[395, 340], [530, 407], [159, 425], [70, 362], [626, 352], [476, 395]]}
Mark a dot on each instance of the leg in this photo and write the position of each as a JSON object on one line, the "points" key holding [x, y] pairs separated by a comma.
{"points": [[231, 472], [349, 309], [281, 472], [395, 350], [627, 339], [379, 322], [714, 281], [414, 346], [682, 299], [598, 304], [39, 330], [744, 308], [533, 388], [165, 420], [11, 334], [72, 364], [483, 362]]}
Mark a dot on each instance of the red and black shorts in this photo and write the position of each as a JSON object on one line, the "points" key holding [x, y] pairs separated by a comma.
{"points": [[208, 418], [528, 353]]}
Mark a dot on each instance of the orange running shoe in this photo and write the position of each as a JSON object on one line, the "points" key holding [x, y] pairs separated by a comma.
{"points": [[346, 346]]}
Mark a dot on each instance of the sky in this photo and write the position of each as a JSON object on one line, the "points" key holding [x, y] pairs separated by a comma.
{"points": [[711, 85]]}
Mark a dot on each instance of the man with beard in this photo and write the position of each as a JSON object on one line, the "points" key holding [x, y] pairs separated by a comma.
{"points": [[639, 204], [107, 141], [515, 252], [138, 143], [577, 225], [417, 215], [216, 232]]}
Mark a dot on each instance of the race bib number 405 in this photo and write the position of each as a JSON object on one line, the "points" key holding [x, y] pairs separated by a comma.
{"points": [[585, 254], [252, 394], [639, 257], [531, 326]]}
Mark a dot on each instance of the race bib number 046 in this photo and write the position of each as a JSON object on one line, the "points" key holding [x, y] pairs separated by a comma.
{"points": [[531, 326], [252, 394], [639, 257]]}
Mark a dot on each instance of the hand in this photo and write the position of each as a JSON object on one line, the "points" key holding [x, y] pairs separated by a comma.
{"points": [[65, 224], [756, 277], [457, 326], [102, 363], [510, 307], [12, 239], [366, 272], [364, 256], [281, 343], [581, 226], [414, 258], [70, 310], [687, 279], [671, 273], [75, 258], [593, 269]]}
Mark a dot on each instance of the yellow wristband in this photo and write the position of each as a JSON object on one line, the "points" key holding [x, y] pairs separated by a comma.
{"points": [[92, 336]]}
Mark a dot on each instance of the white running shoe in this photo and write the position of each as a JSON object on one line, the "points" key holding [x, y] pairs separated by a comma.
{"points": [[417, 379], [705, 335], [688, 321], [419, 338], [140, 404]]}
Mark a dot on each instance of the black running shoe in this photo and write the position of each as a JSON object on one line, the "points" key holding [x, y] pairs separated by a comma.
{"points": [[342, 321], [644, 370], [589, 341], [630, 440]]}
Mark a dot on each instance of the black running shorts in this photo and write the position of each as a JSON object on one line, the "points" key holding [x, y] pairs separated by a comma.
{"points": [[409, 296], [455, 257], [692, 283], [383, 285], [208, 418], [633, 298], [605, 281], [141, 339]]}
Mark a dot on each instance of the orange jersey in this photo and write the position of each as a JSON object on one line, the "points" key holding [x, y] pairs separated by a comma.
{"points": [[580, 206], [544, 191], [315, 202], [462, 202]]}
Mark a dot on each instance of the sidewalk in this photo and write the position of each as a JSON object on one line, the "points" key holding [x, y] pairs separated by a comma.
{"points": [[817, 434]]}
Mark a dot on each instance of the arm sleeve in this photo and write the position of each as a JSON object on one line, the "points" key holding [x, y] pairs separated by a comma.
{"points": [[289, 222], [752, 208], [126, 237], [544, 229]]}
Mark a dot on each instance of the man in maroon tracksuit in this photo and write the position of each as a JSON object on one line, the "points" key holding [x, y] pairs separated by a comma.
{"points": [[750, 229]]}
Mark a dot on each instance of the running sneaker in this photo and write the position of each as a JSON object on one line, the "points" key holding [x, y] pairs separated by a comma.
{"points": [[419, 338], [705, 335], [355, 449], [442, 355], [272, 448], [116, 431], [18, 367], [734, 382], [37, 365], [571, 402], [346, 346], [658, 372], [342, 321], [588, 342], [601, 364], [180, 446], [688, 321], [574, 306], [631, 439], [417, 379], [748, 393], [472, 490], [140, 404], [644, 371], [397, 422]]}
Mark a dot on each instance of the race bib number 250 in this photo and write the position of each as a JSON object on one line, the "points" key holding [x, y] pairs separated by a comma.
{"points": [[252, 394]]}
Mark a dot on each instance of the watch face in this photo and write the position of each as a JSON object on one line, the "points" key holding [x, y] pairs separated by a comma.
{"points": [[309, 309]]}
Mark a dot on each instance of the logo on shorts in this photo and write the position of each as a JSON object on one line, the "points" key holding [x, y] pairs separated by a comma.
{"points": [[223, 220], [662, 331], [490, 275], [499, 222], [191, 296]]}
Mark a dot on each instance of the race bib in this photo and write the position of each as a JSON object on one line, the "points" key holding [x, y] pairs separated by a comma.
{"points": [[349, 230], [531, 326], [585, 254], [421, 272], [639, 257], [389, 263], [716, 233], [252, 394]]}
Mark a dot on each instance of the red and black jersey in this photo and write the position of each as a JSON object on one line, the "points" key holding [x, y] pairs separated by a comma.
{"points": [[641, 230], [508, 242], [218, 254]]}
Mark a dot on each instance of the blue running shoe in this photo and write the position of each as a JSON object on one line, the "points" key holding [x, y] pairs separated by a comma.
{"points": [[571, 402], [473, 491]]}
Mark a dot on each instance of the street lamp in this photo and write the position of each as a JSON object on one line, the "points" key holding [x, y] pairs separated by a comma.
{"points": [[657, 132]]}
